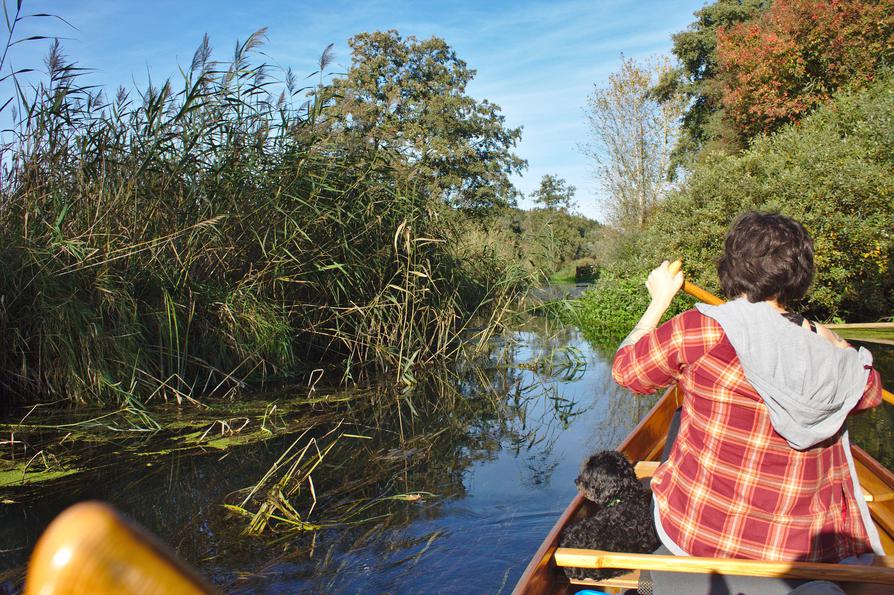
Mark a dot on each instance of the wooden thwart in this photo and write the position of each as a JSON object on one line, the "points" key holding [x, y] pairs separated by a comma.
{"points": [[881, 571]]}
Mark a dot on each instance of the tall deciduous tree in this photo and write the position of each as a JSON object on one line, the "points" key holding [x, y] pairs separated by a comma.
{"points": [[409, 95], [633, 134], [555, 193], [695, 77]]}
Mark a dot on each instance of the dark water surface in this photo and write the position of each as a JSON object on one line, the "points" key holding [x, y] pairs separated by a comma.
{"points": [[487, 454]]}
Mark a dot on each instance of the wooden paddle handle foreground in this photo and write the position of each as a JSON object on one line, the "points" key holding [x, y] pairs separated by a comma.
{"points": [[703, 295], [91, 549], [880, 571]]}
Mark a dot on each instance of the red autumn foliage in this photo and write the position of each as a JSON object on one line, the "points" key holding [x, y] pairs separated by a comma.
{"points": [[792, 57]]}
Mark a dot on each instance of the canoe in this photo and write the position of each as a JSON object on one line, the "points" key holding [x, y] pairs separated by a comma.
{"points": [[643, 446]]}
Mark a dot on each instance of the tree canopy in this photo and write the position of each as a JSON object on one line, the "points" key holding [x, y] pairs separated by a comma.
{"points": [[748, 67], [695, 77], [555, 193], [409, 95], [790, 59]]}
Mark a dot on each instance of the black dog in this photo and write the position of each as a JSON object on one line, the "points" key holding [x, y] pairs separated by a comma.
{"points": [[623, 521]]}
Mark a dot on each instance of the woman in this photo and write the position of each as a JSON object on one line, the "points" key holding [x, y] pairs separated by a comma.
{"points": [[761, 466]]}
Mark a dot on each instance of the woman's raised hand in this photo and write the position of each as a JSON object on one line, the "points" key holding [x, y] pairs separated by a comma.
{"points": [[664, 282]]}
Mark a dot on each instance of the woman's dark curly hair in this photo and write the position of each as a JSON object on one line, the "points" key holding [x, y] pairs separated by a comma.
{"points": [[766, 256]]}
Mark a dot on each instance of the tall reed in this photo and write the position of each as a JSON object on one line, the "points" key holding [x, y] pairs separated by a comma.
{"points": [[189, 238]]}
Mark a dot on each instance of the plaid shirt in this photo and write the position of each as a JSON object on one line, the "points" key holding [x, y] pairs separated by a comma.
{"points": [[732, 487]]}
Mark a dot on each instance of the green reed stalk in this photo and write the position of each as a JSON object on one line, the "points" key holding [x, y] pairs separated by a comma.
{"points": [[207, 234]]}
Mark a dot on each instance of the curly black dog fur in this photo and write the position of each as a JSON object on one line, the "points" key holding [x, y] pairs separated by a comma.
{"points": [[623, 520], [606, 477]]}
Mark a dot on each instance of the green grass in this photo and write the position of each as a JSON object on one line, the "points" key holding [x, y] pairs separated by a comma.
{"points": [[867, 334], [563, 275], [567, 274]]}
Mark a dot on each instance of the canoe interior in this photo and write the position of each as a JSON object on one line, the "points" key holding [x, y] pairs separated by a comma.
{"points": [[645, 443]]}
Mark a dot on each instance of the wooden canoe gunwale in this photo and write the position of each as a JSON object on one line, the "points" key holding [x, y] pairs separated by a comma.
{"points": [[645, 443]]}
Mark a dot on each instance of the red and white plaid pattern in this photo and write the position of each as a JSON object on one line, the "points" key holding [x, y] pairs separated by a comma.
{"points": [[732, 487]]}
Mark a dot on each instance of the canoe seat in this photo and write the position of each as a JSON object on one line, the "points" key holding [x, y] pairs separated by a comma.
{"points": [[628, 580], [874, 489]]}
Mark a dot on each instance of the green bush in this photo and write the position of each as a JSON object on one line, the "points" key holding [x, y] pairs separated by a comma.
{"points": [[834, 172], [543, 240], [613, 306]]}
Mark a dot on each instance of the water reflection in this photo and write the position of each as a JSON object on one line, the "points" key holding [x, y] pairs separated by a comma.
{"points": [[874, 429], [509, 436], [491, 447]]}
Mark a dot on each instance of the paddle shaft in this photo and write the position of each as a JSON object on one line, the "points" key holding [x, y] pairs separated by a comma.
{"points": [[709, 298]]}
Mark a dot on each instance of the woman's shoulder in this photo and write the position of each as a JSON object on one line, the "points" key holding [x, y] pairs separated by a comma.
{"points": [[693, 319], [697, 330]]}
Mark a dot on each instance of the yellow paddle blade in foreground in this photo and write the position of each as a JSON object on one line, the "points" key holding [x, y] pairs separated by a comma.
{"points": [[90, 549]]}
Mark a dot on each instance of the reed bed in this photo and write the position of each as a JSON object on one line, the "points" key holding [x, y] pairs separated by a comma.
{"points": [[211, 233]]}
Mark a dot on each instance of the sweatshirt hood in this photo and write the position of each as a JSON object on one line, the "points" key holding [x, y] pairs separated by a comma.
{"points": [[808, 384]]}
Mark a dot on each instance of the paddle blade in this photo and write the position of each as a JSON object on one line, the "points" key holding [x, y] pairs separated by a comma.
{"points": [[91, 549]]}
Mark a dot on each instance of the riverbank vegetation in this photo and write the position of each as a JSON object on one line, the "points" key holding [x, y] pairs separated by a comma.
{"points": [[541, 241], [304, 463], [789, 107], [232, 228]]}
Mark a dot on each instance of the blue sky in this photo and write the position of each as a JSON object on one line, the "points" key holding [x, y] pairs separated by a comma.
{"points": [[537, 60]]}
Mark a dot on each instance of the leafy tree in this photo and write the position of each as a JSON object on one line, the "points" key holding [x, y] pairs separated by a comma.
{"points": [[694, 78], [409, 95], [555, 193], [793, 57], [633, 135], [832, 172], [539, 240]]}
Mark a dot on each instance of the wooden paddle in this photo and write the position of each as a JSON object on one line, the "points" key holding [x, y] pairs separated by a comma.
{"points": [[880, 571], [92, 550], [703, 295]]}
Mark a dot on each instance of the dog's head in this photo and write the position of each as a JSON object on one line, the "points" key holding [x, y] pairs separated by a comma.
{"points": [[607, 477]]}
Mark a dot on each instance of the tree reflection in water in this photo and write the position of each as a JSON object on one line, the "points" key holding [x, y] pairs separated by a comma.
{"points": [[490, 446]]}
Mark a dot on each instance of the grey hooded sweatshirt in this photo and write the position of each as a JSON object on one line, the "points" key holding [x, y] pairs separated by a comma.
{"points": [[808, 385]]}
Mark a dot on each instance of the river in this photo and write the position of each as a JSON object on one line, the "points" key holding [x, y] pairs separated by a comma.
{"points": [[448, 487]]}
